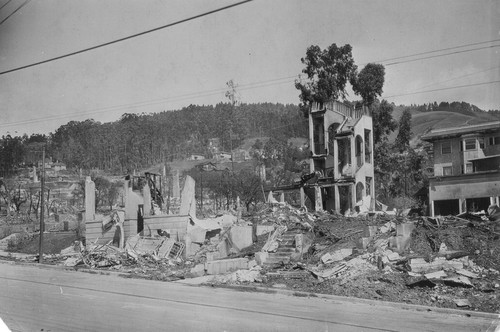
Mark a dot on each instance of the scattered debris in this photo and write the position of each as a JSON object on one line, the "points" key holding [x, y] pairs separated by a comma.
{"points": [[462, 302], [419, 260]]}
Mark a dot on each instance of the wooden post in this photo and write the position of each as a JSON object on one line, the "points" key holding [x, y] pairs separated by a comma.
{"points": [[42, 224]]}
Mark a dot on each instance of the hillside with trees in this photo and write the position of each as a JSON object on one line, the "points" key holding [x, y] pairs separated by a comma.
{"points": [[137, 141], [141, 141], [443, 115]]}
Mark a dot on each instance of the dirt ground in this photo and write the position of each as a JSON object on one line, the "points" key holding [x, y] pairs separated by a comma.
{"points": [[477, 240], [53, 243]]}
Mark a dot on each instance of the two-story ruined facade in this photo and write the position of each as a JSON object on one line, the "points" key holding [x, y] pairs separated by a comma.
{"points": [[341, 142], [466, 168]]}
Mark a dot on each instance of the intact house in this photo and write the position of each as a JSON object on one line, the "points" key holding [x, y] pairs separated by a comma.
{"points": [[341, 164], [466, 168]]}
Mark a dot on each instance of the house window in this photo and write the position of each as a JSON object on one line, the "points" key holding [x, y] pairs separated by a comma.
{"points": [[445, 147], [495, 140], [470, 144], [447, 170], [481, 142]]}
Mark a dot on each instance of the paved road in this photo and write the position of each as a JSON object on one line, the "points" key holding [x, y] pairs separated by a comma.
{"points": [[42, 299]]}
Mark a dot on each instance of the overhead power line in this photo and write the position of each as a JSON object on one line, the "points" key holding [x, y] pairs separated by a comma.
{"points": [[439, 50], [441, 89], [440, 55], [121, 107], [5, 4], [178, 98], [125, 38], [459, 77], [21, 6]]}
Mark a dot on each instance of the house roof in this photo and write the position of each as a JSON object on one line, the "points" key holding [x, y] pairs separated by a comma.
{"points": [[486, 157], [459, 131]]}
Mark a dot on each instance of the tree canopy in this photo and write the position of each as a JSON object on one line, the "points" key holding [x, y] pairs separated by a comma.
{"points": [[369, 82], [327, 73], [383, 122], [404, 134]]}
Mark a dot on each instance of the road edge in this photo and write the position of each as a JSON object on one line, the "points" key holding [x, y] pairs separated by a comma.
{"points": [[267, 290]]}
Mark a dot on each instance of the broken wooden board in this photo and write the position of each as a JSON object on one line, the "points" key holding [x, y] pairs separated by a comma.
{"points": [[176, 250], [289, 274], [330, 273], [419, 265], [468, 274], [436, 275]]}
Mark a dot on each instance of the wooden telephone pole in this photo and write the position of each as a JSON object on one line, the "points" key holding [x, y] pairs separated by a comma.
{"points": [[42, 212]]}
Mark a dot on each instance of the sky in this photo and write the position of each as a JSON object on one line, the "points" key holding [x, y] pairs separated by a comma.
{"points": [[432, 51]]}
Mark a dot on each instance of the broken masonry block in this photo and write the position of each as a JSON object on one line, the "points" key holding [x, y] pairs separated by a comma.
{"points": [[252, 264], [405, 229], [241, 237], [226, 265], [363, 242], [198, 270], [419, 265], [399, 243], [336, 256], [460, 281], [264, 229], [197, 234], [223, 249], [462, 302], [467, 273], [261, 257], [436, 275], [212, 256], [370, 231], [299, 239]]}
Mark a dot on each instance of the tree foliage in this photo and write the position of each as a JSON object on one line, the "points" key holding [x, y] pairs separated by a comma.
{"points": [[369, 82], [327, 73], [383, 122], [404, 135]]}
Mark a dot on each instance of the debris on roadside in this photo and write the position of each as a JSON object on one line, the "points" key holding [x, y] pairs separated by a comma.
{"points": [[377, 256]]}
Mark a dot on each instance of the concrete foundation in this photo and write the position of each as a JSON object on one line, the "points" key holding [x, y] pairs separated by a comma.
{"points": [[241, 236], [226, 265]]}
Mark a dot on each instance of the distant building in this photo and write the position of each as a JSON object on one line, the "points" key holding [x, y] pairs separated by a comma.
{"points": [[466, 168], [214, 145], [240, 155], [57, 166], [196, 157], [221, 156]]}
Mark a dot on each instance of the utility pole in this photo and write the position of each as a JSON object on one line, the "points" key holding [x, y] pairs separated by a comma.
{"points": [[42, 224], [232, 95], [201, 188], [231, 144]]}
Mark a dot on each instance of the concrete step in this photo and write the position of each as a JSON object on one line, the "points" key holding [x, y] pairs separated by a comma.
{"points": [[285, 250], [272, 261], [279, 256]]}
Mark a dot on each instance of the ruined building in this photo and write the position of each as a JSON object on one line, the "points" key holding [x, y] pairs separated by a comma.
{"points": [[341, 165], [466, 168], [341, 141]]}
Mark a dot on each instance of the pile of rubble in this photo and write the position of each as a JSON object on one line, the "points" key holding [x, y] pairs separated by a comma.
{"points": [[451, 261]]}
